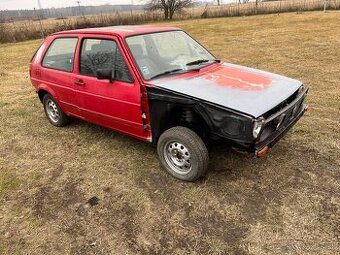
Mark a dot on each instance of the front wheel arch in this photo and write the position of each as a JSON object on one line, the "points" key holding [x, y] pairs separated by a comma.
{"points": [[184, 116]]}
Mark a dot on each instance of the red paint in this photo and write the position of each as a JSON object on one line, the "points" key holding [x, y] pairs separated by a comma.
{"points": [[116, 105], [120, 31], [238, 79], [120, 106]]}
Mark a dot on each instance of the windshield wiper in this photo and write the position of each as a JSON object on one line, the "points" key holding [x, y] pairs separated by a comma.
{"points": [[200, 61], [166, 72]]}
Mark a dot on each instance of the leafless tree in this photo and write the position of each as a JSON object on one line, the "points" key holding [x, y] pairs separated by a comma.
{"points": [[169, 7]]}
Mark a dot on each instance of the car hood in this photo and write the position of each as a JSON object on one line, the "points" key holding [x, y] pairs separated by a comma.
{"points": [[248, 90]]}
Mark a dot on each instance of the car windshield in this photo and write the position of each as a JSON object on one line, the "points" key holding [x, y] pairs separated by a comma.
{"points": [[166, 53]]}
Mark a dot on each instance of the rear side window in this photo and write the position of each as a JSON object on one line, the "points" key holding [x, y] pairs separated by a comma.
{"points": [[60, 54], [102, 54], [35, 53]]}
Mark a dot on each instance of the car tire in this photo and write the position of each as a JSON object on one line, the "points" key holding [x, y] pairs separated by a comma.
{"points": [[53, 112], [183, 153]]}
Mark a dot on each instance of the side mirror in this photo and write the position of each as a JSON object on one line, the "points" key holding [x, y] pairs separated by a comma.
{"points": [[106, 74]]}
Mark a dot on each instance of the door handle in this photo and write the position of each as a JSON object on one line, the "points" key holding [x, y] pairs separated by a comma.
{"points": [[80, 83]]}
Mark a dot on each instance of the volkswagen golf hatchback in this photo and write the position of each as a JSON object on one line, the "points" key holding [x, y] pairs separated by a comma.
{"points": [[159, 85]]}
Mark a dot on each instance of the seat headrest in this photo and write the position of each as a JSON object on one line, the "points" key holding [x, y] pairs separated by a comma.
{"points": [[103, 46]]}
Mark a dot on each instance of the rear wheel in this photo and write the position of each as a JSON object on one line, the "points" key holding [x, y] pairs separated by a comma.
{"points": [[183, 153], [53, 112]]}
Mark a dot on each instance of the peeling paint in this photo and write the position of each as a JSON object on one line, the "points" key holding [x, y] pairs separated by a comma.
{"points": [[238, 79]]}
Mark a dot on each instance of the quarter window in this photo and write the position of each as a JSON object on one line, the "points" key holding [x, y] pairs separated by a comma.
{"points": [[60, 54], [101, 54]]}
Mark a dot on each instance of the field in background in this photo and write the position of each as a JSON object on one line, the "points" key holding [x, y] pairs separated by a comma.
{"points": [[286, 203], [24, 30]]}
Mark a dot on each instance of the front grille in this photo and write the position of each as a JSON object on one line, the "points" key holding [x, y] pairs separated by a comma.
{"points": [[282, 105], [282, 115]]}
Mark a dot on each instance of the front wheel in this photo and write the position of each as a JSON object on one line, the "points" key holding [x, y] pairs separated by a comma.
{"points": [[183, 153]]}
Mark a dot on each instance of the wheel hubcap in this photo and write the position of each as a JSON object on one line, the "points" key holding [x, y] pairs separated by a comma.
{"points": [[178, 157], [52, 110]]}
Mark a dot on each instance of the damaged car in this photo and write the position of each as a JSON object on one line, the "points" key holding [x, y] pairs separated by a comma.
{"points": [[161, 86]]}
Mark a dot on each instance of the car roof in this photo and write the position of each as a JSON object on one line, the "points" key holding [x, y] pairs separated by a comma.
{"points": [[122, 31]]}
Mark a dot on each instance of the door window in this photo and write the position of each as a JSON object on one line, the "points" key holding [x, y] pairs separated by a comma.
{"points": [[102, 54], [60, 54]]}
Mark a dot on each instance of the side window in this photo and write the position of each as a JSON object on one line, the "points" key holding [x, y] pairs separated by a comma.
{"points": [[101, 54], [60, 54]]}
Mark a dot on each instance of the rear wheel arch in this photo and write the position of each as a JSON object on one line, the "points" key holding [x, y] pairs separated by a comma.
{"points": [[53, 112], [41, 94], [44, 89]]}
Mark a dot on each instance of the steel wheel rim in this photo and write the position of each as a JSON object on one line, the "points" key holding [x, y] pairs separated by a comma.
{"points": [[52, 110], [178, 157]]}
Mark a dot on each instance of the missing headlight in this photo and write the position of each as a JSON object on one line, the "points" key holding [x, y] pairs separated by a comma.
{"points": [[233, 126], [258, 124]]}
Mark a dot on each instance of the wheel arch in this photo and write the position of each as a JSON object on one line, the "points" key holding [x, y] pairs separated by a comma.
{"points": [[186, 116], [168, 110], [43, 90]]}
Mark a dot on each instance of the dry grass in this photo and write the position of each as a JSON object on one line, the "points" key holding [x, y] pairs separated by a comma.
{"points": [[287, 203], [29, 29]]}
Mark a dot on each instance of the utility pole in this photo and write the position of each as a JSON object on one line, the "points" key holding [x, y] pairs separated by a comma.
{"points": [[325, 6], [41, 26], [131, 7], [40, 9], [80, 11], [39, 4], [14, 29]]}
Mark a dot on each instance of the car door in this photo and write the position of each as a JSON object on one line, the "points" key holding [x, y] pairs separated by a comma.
{"points": [[57, 68], [116, 104]]}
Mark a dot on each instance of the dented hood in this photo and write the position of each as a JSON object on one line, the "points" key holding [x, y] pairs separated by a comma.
{"points": [[243, 89]]}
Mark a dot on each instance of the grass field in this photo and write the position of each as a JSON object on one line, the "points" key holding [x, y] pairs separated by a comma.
{"points": [[286, 203], [16, 31]]}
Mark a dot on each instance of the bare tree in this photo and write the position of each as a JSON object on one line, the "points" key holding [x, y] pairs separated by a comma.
{"points": [[169, 7]]}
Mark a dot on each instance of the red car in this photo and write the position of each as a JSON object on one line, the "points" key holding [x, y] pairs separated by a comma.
{"points": [[161, 86]]}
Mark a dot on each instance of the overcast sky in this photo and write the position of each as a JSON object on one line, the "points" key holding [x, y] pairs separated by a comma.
{"points": [[30, 4]]}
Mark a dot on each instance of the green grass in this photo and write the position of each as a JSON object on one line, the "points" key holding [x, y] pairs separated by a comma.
{"points": [[286, 203]]}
